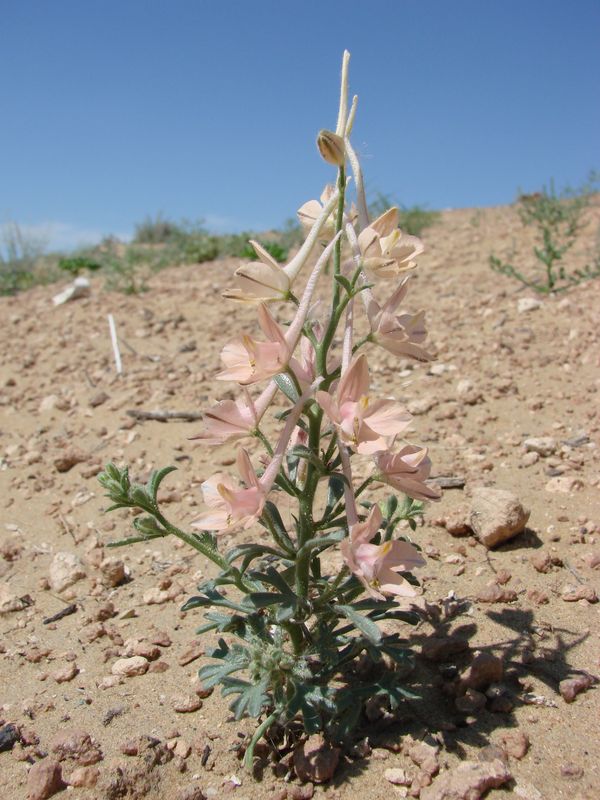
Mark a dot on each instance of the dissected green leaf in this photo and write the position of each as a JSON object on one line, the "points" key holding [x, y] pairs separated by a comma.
{"points": [[365, 625]]}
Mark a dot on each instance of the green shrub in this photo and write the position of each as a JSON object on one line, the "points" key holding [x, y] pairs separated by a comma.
{"points": [[77, 264], [557, 219], [274, 249]]}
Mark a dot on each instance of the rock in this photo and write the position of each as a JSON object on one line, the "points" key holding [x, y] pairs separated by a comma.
{"points": [[496, 515], [424, 755], [44, 779], [130, 667], [515, 744], [186, 703], [66, 673], [9, 736], [9, 601], [192, 792], [305, 792], [80, 287], [65, 570], [469, 781], [580, 593], [526, 304], [485, 669], [191, 653], [563, 484], [68, 459], [455, 522], [77, 745], [182, 749], [542, 445], [541, 561], [315, 760], [442, 649], [470, 702], [113, 572], [98, 398], [496, 594], [155, 596], [52, 401], [571, 687], [570, 770], [84, 777], [397, 776]]}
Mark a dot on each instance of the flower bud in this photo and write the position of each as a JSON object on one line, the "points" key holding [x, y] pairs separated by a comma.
{"points": [[331, 147]]}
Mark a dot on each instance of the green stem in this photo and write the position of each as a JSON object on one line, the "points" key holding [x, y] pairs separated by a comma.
{"points": [[262, 728]]}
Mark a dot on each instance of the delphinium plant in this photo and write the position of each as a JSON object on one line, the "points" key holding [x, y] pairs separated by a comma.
{"points": [[297, 611]]}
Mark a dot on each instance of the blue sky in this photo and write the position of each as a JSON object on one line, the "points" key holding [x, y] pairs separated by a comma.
{"points": [[116, 109]]}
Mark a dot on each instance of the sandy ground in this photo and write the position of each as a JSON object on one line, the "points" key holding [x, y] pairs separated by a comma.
{"points": [[500, 377]]}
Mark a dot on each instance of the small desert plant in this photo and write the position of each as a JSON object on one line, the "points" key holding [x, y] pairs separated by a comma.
{"points": [[19, 257], [75, 265], [274, 249], [126, 272], [557, 219], [297, 609], [412, 219]]}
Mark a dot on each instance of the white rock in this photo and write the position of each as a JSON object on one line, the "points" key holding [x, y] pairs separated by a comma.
{"points": [[79, 288], [9, 601], [525, 304], [496, 515], [156, 597], [130, 667], [543, 445], [65, 570]]}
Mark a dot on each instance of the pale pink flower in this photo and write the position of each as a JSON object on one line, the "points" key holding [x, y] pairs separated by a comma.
{"points": [[227, 421], [407, 470], [231, 505], [401, 334], [366, 425], [260, 280], [249, 361], [377, 565], [311, 210], [387, 251]]}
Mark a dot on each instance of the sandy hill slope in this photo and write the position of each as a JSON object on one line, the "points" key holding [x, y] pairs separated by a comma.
{"points": [[502, 376]]}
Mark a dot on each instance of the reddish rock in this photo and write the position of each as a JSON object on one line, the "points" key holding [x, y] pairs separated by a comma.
{"points": [[496, 594], [581, 593], [485, 669], [442, 649], [84, 777], [68, 459], [44, 779], [571, 687], [66, 673], [77, 745], [315, 760], [191, 653], [515, 744], [469, 781], [542, 561], [187, 703]]}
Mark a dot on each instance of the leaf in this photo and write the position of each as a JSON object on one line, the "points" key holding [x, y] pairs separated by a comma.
{"points": [[287, 386], [321, 542], [149, 527], [229, 660], [211, 598], [252, 697], [156, 479], [335, 491], [365, 625], [345, 284]]}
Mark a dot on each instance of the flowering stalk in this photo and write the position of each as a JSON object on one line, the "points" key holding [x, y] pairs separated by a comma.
{"points": [[320, 573]]}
